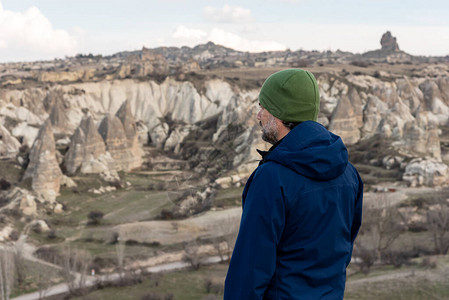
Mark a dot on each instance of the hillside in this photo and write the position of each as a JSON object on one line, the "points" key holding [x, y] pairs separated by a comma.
{"points": [[146, 150]]}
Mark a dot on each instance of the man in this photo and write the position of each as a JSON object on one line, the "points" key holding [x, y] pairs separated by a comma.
{"points": [[301, 207]]}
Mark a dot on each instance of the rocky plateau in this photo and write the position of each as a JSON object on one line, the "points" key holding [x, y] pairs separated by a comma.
{"points": [[96, 115]]}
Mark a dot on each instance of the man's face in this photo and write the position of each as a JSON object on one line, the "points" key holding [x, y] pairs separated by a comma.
{"points": [[269, 126]]}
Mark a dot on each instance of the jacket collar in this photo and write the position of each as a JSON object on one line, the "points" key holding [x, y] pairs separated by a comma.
{"points": [[264, 154]]}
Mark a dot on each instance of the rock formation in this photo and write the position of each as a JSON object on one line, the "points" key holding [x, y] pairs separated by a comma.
{"points": [[426, 172], [59, 119], [346, 121], [388, 42], [114, 136], [43, 168], [86, 145], [421, 137], [9, 145], [129, 124]]}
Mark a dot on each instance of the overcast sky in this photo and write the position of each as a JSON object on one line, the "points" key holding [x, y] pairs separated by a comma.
{"points": [[47, 29]]}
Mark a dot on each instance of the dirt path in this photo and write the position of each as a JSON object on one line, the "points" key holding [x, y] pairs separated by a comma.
{"points": [[92, 280], [209, 224]]}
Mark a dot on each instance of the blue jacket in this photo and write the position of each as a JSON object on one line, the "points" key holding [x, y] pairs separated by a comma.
{"points": [[302, 209]]}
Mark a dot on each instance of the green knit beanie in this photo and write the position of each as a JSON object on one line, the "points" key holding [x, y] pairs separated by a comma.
{"points": [[291, 95]]}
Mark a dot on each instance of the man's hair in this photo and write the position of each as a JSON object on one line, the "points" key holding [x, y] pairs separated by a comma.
{"points": [[290, 125]]}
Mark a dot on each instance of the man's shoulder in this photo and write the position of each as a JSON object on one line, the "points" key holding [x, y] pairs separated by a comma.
{"points": [[271, 166]]}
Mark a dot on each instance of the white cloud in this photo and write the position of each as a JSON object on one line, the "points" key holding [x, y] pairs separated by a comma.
{"points": [[182, 32], [227, 14], [236, 42], [192, 37], [30, 35]]}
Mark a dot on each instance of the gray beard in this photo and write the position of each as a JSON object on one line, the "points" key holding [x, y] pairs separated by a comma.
{"points": [[269, 137], [269, 132]]}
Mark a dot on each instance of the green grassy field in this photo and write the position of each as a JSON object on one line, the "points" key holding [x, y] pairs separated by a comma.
{"points": [[413, 282], [184, 284]]}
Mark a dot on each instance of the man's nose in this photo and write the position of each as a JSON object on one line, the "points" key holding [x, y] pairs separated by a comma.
{"points": [[259, 114]]}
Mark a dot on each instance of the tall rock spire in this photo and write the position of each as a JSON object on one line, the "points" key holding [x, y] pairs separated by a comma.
{"points": [[86, 144], [43, 168]]}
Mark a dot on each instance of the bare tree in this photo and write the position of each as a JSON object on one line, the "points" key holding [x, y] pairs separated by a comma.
{"points": [[383, 223], [120, 254], [19, 262], [192, 255], [43, 281], [74, 269], [438, 224], [228, 229], [6, 272]]}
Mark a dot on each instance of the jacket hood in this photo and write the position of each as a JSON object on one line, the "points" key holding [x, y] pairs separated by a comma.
{"points": [[311, 150]]}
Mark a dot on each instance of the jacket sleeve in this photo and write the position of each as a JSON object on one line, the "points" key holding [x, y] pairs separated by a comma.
{"points": [[357, 219], [253, 261]]}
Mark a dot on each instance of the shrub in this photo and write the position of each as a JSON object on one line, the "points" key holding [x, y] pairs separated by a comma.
{"points": [[95, 217], [4, 184], [114, 238], [361, 64], [49, 254], [14, 235], [429, 262], [367, 258], [396, 258], [212, 287], [52, 234], [166, 214]]}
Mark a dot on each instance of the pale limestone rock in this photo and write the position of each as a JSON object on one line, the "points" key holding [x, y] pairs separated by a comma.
{"points": [[110, 176], [428, 172], [443, 85], [41, 225], [391, 161], [409, 93], [59, 120], [5, 232], [173, 141], [143, 133], [364, 82], [323, 120], [152, 102], [395, 119], [61, 76], [68, 182], [114, 136], [420, 136], [101, 164], [43, 168], [86, 145], [330, 95], [9, 145], [385, 91], [374, 112], [75, 155], [434, 100], [64, 142], [230, 181], [28, 205], [129, 124], [58, 209], [345, 122], [102, 190], [25, 132], [20, 113]]}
